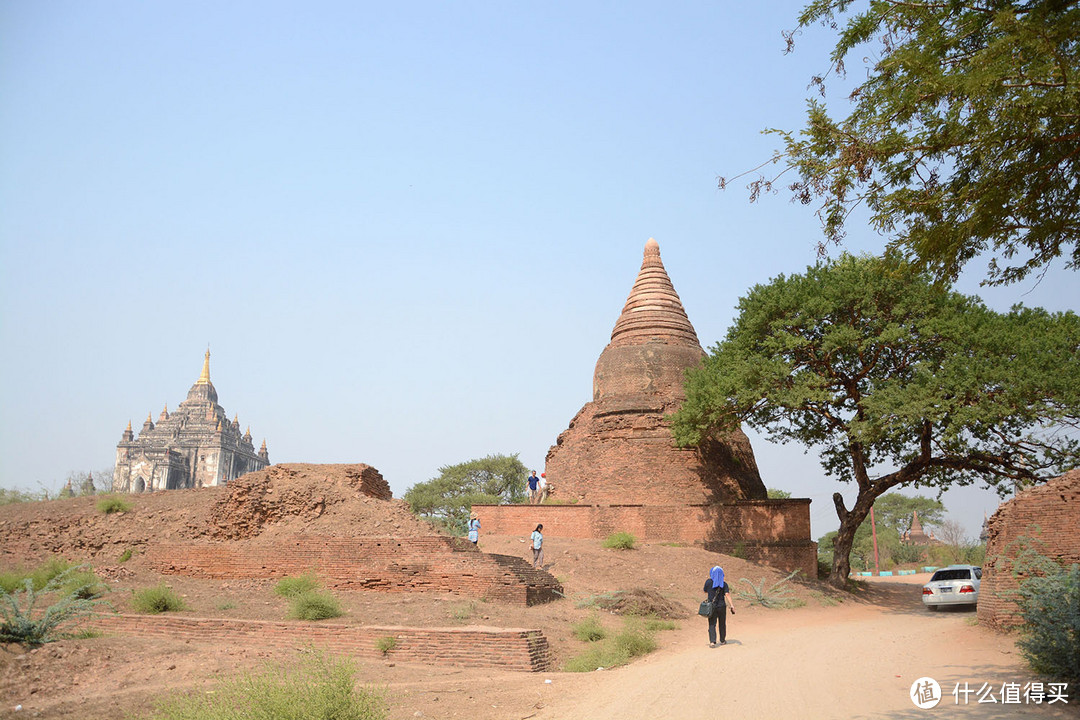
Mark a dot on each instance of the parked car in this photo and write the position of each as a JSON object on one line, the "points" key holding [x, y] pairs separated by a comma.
{"points": [[953, 585]]}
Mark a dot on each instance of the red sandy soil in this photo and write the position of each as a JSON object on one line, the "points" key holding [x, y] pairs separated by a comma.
{"points": [[839, 655]]}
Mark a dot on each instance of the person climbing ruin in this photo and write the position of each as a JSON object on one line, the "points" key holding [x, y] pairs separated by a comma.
{"points": [[719, 594], [474, 528], [538, 546]]}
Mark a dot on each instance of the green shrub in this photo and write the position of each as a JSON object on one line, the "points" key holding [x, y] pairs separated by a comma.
{"points": [[10, 496], [293, 586], [589, 629], [20, 620], [634, 641], [1050, 606], [620, 541], [316, 688], [227, 605], [314, 606], [158, 599], [113, 504], [739, 550], [84, 584], [653, 624], [126, 555], [386, 644], [40, 576], [463, 612]]}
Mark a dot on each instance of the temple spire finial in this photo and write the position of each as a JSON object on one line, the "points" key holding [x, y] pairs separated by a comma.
{"points": [[204, 378]]}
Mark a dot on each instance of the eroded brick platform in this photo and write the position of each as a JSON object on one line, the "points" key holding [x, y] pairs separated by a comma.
{"points": [[434, 563], [501, 648], [768, 532]]}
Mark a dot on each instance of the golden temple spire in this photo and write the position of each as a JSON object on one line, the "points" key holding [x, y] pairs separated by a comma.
{"points": [[204, 378], [129, 430]]}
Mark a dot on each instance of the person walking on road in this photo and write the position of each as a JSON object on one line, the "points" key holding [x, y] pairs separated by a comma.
{"points": [[719, 594]]}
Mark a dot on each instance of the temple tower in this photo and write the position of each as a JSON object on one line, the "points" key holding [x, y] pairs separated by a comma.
{"points": [[618, 448], [194, 446]]}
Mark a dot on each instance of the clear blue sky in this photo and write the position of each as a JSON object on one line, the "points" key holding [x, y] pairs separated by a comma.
{"points": [[405, 230]]}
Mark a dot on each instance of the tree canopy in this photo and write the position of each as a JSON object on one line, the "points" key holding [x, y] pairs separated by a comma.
{"points": [[963, 139], [448, 498], [894, 381]]}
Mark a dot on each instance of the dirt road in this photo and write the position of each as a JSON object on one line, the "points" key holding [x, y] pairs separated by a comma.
{"points": [[856, 660]]}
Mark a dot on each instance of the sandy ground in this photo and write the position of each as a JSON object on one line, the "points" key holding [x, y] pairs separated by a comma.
{"points": [[840, 655]]}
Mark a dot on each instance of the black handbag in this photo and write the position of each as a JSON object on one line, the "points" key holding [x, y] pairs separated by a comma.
{"points": [[705, 609]]}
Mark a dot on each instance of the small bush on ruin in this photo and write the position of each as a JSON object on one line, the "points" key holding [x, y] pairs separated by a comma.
{"points": [[318, 687], [39, 576], [291, 587], [314, 606], [126, 555], [22, 622], [463, 612], [620, 541], [774, 596], [589, 630], [113, 504], [386, 644], [158, 599]]}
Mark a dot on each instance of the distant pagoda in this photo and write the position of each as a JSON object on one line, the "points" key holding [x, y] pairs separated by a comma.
{"points": [[618, 448], [194, 446]]}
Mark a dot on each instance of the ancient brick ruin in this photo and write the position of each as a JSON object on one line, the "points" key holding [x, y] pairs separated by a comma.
{"points": [[619, 468], [618, 448], [1049, 516], [194, 446]]}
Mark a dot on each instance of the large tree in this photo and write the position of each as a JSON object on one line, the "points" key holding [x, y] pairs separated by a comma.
{"points": [[895, 381], [448, 498], [963, 131]]}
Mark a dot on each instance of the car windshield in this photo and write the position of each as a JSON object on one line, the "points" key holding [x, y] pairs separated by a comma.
{"points": [[954, 574]]}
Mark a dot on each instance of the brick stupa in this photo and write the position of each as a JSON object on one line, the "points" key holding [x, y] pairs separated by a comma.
{"points": [[618, 448]]}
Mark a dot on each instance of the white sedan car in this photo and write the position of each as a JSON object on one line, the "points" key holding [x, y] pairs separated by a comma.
{"points": [[954, 585]]}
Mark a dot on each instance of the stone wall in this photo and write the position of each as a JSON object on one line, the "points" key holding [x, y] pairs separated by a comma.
{"points": [[504, 649], [439, 564], [1050, 515], [769, 532]]}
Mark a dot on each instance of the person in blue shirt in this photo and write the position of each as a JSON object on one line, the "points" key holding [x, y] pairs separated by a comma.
{"points": [[474, 528], [719, 594], [534, 486], [538, 546]]}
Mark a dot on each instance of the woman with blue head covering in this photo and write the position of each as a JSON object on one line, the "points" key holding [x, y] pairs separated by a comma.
{"points": [[718, 593]]}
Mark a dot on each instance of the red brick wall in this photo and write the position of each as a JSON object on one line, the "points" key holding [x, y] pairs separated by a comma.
{"points": [[506, 649], [1048, 514], [434, 563], [771, 532]]}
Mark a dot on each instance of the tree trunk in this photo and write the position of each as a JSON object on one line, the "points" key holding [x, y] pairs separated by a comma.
{"points": [[841, 563], [845, 536]]}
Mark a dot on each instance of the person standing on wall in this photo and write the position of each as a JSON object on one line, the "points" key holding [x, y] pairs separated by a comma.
{"points": [[719, 594], [538, 546], [474, 528], [534, 485], [543, 489]]}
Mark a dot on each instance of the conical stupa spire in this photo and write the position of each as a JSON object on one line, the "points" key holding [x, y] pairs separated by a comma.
{"points": [[204, 378], [653, 310]]}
